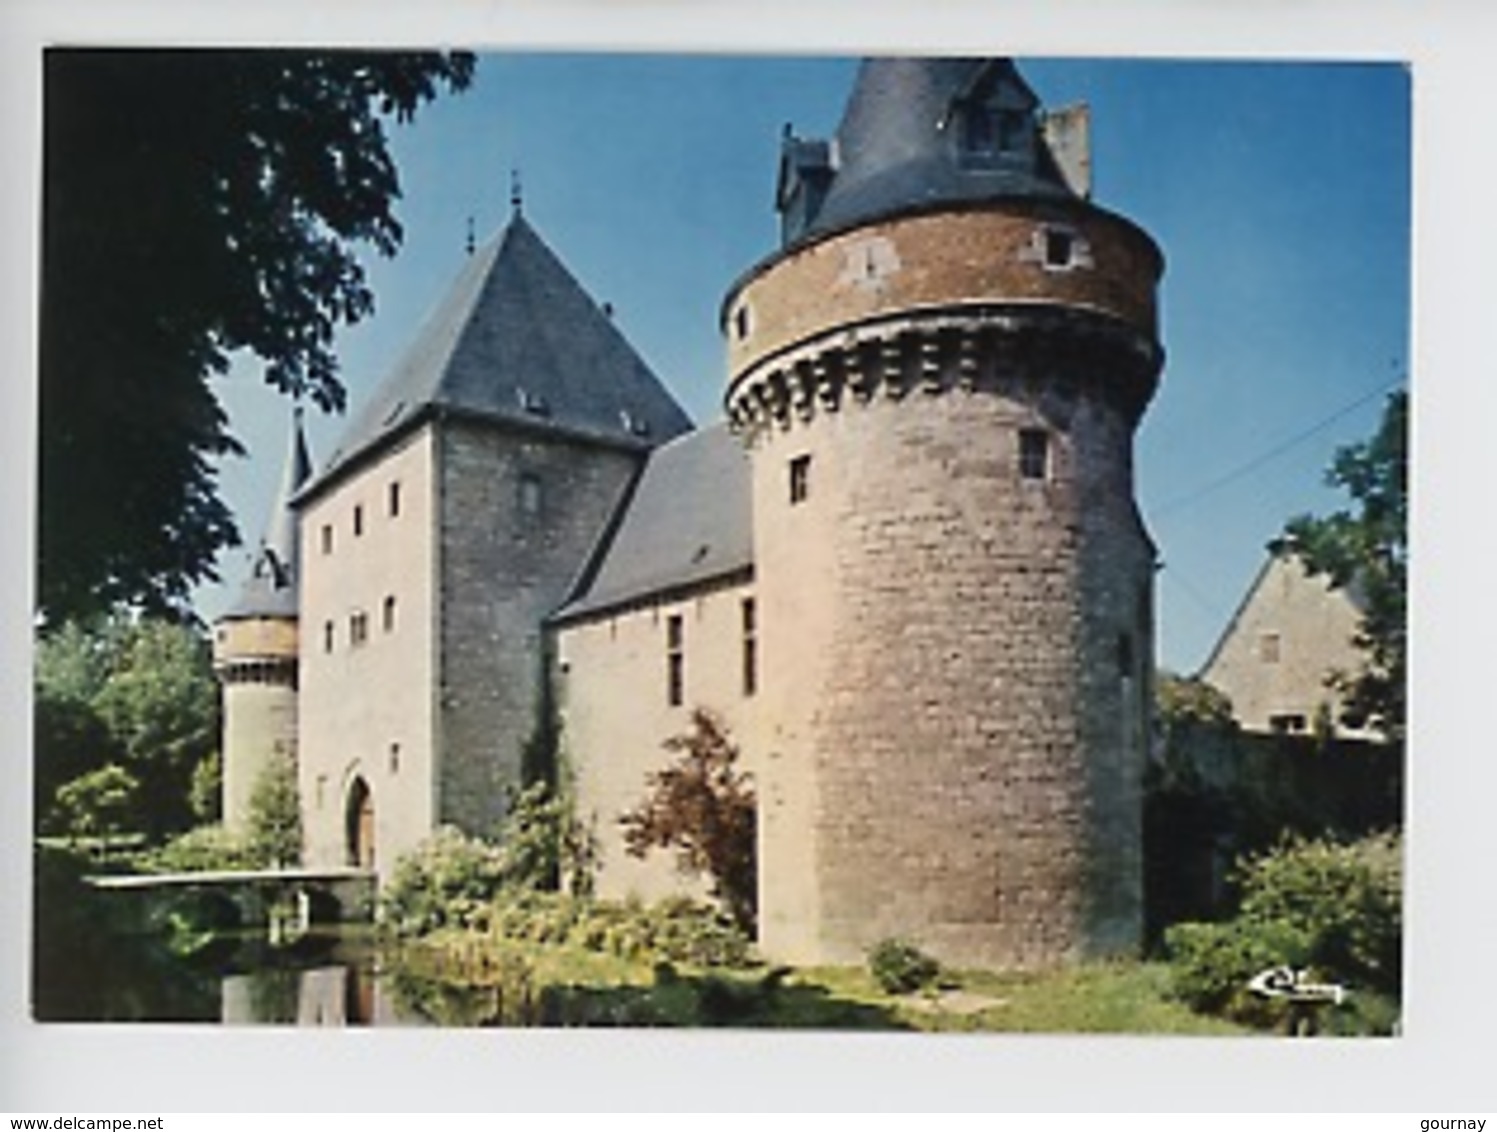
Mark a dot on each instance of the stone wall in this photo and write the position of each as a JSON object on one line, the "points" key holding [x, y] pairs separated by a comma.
{"points": [[256, 661], [616, 714], [519, 516], [368, 645], [955, 584]]}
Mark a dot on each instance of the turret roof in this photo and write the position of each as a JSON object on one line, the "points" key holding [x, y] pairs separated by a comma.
{"points": [[517, 341], [270, 590], [902, 143]]}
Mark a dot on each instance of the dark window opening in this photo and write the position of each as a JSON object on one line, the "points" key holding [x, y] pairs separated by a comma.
{"points": [[1287, 723], [394, 499], [800, 479], [750, 647], [1060, 247], [981, 132], [741, 322], [327, 538], [1034, 453], [1125, 654], [675, 662], [389, 614], [327, 636], [358, 519], [358, 629], [394, 758]]}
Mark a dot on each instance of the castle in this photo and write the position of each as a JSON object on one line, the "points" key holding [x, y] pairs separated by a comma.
{"points": [[907, 570]]}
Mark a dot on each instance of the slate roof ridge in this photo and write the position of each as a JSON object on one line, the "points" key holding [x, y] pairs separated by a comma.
{"points": [[517, 340]]}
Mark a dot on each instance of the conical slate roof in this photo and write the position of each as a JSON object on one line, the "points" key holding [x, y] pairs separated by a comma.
{"points": [[904, 142], [270, 590], [517, 341]]}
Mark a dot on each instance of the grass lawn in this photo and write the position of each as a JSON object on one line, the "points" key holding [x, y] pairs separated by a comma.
{"points": [[462, 979]]}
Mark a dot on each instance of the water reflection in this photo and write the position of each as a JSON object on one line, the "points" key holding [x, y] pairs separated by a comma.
{"points": [[342, 994]]}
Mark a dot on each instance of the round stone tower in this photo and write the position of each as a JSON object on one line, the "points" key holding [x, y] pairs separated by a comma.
{"points": [[938, 377], [255, 650]]}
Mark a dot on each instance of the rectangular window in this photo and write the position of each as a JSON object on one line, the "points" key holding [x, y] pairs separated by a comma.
{"points": [[395, 499], [389, 614], [394, 758], [1060, 245], [675, 662], [800, 479], [1034, 453], [358, 629], [327, 636], [327, 538], [1268, 648], [358, 519], [750, 647], [1125, 654]]}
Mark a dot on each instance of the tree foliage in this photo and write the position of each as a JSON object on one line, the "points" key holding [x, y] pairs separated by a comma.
{"points": [[1365, 548], [97, 804], [273, 837], [137, 693], [196, 203], [703, 807]]}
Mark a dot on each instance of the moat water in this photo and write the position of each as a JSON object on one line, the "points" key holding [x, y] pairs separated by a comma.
{"points": [[339, 979]]}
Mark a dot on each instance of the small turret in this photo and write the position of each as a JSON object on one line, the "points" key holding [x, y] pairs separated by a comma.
{"points": [[255, 647]]}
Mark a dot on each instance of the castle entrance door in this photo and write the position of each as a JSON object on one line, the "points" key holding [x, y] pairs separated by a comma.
{"points": [[360, 825]]}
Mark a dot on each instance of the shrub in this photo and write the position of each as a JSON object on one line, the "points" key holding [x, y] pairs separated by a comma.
{"points": [[274, 837], [446, 880], [1347, 898], [899, 967], [544, 843], [704, 808], [209, 848], [1333, 908]]}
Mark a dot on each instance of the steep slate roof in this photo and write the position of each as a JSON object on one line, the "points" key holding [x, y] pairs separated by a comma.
{"points": [[689, 522], [895, 149], [270, 590], [517, 341]]}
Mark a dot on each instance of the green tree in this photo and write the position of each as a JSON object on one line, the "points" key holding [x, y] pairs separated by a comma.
{"points": [[274, 834], [1365, 548], [205, 795], [161, 705], [139, 693], [703, 807], [98, 804], [196, 204]]}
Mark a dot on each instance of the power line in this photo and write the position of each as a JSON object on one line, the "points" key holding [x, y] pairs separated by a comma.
{"points": [[1273, 453]]}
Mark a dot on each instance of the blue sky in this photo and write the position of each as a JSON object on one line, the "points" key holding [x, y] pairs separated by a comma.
{"points": [[1279, 192]]}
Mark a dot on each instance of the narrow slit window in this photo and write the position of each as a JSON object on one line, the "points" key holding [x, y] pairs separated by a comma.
{"points": [[675, 661], [358, 519], [1034, 453], [327, 636], [388, 616], [750, 647], [395, 499], [327, 538], [800, 479]]}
